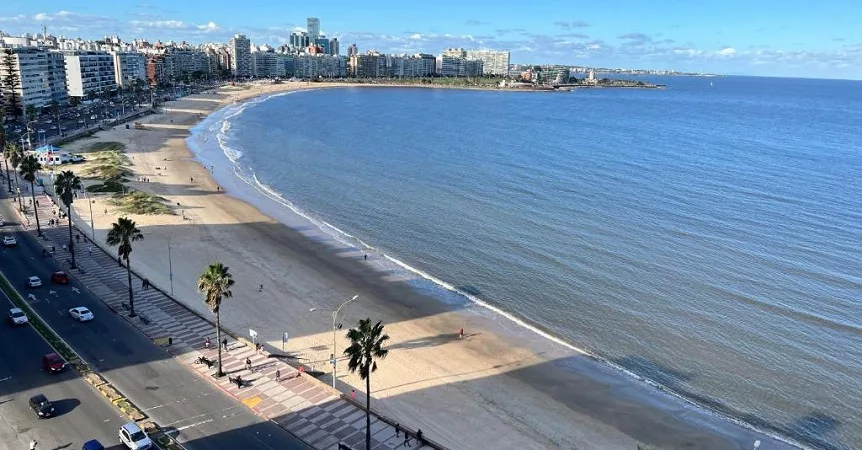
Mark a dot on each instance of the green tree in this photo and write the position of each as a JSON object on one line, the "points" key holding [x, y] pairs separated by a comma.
{"points": [[66, 185], [29, 169], [366, 345], [14, 154], [55, 110], [215, 284], [11, 82], [121, 235], [74, 101]]}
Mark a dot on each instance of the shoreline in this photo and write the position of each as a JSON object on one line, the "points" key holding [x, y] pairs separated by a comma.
{"points": [[603, 436]]}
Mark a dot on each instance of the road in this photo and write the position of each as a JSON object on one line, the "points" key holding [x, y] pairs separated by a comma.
{"points": [[82, 413], [199, 414]]}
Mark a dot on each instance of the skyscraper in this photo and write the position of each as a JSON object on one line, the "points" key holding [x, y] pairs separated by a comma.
{"points": [[240, 49], [313, 28]]}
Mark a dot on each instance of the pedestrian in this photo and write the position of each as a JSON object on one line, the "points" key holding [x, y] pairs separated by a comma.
{"points": [[207, 343], [192, 179], [419, 437], [397, 429], [120, 261], [301, 370], [248, 364], [353, 394], [77, 238], [33, 444], [144, 285], [406, 439], [277, 375], [224, 344], [260, 288], [461, 334], [239, 381], [90, 250], [366, 256]]}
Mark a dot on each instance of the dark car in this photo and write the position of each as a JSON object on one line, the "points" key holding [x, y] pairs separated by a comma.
{"points": [[41, 406], [93, 445], [59, 277], [53, 363]]}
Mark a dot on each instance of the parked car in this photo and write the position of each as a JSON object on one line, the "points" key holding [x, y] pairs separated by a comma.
{"points": [[133, 437], [10, 241], [81, 314], [59, 277], [53, 363], [17, 316], [93, 445], [33, 282], [41, 406]]}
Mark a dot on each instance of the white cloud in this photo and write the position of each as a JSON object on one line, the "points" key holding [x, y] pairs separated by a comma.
{"points": [[728, 51], [209, 28], [167, 24], [416, 36]]}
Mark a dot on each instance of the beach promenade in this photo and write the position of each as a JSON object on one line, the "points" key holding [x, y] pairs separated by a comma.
{"points": [[502, 387]]}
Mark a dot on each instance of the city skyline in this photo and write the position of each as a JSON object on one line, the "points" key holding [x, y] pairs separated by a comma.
{"points": [[731, 37]]}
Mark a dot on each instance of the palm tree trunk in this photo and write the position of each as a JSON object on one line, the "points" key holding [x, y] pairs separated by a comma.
{"points": [[220, 373], [35, 209], [8, 178], [368, 411], [18, 185], [71, 243], [131, 295]]}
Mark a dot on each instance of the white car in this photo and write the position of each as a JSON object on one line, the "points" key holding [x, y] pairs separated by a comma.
{"points": [[10, 241], [33, 282], [133, 437], [17, 316], [81, 314]]}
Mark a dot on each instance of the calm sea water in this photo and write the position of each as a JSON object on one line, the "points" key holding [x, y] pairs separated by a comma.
{"points": [[705, 237]]}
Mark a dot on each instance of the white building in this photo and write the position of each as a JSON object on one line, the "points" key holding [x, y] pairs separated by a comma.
{"points": [[450, 66], [42, 76], [89, 72], [240, 49], [128, 67], [264, 64], [493, 62]]}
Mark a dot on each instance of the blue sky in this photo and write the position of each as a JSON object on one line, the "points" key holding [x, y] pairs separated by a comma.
{"points": [[821, 39]]}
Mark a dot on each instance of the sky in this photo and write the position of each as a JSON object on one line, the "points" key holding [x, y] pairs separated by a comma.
{"points": [[789, 38]]}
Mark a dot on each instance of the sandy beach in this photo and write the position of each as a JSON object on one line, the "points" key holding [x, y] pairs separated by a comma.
{"points": [[503, 386]]}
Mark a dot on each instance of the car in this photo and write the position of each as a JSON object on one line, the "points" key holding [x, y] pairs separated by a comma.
{"points": [[53, 363], [81, 314], [10, 241], [34, 282], [17, 316], [41, 406], [92, 444], [133, 437], [59, 277]]}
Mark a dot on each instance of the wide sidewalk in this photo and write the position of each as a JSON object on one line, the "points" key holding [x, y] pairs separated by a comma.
{"points": [[304, 406]]}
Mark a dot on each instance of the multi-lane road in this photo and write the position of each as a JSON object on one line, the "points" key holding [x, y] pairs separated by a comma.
{"points": [[200, 415]]}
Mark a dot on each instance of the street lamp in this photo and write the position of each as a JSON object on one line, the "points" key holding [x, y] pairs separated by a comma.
{"points": [[334, 328], [92, 223]]}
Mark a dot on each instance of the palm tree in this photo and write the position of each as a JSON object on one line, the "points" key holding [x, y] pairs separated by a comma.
{"points": [[122, 233], [215, 284], [66, 186], [29, 168], [15, 155], [366, 344]]}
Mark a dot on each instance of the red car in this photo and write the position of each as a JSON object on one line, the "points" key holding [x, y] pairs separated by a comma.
{"points": [[60, 277], [53, 363]]}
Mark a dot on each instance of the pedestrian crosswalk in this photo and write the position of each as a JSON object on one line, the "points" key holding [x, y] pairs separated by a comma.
{"points": [[299, 403]]}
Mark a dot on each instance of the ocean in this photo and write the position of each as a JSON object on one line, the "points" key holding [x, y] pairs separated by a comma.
{"points": [[706, 236]]}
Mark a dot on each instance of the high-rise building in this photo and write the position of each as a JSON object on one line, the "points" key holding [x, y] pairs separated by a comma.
{"points": [[323, 44], [240, 48], [353, 50], [299, 39], [89, 72], [313, 28], [493, 62], [129, 66], [41, 74], [333, 47]]}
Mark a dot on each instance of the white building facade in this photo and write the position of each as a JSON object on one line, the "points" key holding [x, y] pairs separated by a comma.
{"points": [[493, 62], [240, 63], [42, 76], [128, 67], [89, 72]]}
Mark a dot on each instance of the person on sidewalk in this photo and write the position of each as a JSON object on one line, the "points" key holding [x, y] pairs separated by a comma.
{"points": [[238, 381], [397, 429], [419, 437], [248, 364], [406, 439], [224, 344], [207, 343], [353, 394], [90, 250], [277, 375]]}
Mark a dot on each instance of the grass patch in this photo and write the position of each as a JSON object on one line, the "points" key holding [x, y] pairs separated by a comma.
{"points": [[137, 202], [108, 186], [108, 166], [107, 147]]}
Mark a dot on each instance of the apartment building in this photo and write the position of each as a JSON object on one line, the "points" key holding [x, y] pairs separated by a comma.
{"points": [[240, 49], [42, 75], [89, 72], [493, 62], [128, 67], [450, 66]]}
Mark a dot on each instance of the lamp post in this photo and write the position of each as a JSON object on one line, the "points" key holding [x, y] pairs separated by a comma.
{"points": [[170, 267], [92, 222], [334, 328]]}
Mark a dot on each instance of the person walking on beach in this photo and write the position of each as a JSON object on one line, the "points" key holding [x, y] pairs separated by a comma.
{"points": [[461, 334]]}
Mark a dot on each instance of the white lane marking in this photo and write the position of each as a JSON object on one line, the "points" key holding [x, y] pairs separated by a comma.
{"points": [[154, 407], [76, 290], [31, 297], [183, 420], [4, 379], [192, 425]]}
